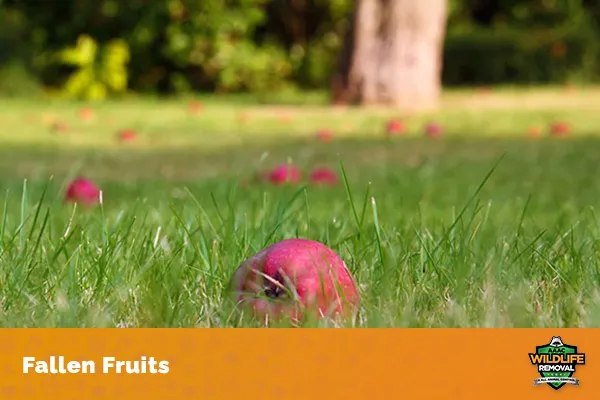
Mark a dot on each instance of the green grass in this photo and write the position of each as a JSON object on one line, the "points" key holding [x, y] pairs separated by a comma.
{"points": [[482, 228]]}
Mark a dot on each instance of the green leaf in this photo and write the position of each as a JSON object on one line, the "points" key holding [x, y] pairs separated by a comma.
{"points": [[83, 54], [77, 83], [117, 52], [115, 79], [87, 48], [96, 91]]}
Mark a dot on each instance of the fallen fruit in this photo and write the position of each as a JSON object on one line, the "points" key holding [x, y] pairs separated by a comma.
{"points": [[534, 132], [284, 173], [324, 135], [323, 176], [60, 127], [293, 278], [433, 129], [195, 107], [560, 129], [394, 127], [127, 135], [86, 114], [83, 191]]}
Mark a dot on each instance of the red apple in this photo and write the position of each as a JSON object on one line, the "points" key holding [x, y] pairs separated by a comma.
{"points": [[534, 132], [394, 127], [83, 191], [560, 128], [323, 176], [294, 278], [60, 127], [195, 107], [284, 173], [86, 114], [324, 135], [433, 129], [127, 135]]}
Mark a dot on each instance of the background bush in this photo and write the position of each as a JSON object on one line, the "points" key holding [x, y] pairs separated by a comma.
{"points": [[519, 56], [175, 46]]}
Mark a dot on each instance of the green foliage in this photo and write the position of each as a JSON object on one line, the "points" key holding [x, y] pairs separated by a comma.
{"points": [[16, 77], [97, 73], [209, 45], [266, 45], [519, 14], [317, 58], [319, 61], [13, 24], [520, 56], [444, 246], [17, 81], [247, 66]]}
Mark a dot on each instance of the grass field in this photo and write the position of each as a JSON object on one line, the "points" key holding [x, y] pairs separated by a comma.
{"points": [[484, 227]]}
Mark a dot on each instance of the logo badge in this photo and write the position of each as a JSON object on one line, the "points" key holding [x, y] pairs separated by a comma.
{"points": [[556, 362]]}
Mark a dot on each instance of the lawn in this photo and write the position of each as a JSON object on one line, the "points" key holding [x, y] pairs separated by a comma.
{"points": [[483, 227]]}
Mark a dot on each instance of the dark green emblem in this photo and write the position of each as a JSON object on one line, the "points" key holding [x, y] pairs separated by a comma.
{"points": [[556, 363]]}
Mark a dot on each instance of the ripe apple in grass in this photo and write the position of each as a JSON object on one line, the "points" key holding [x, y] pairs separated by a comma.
{"points": [[86, 113], [83, 191], [324, 135], [534, 131], [195, 107], [60, 127], [127, 135], [295, 278], [323, 176], [284, 173], [433, 129], [394, 127], [560, 128]]}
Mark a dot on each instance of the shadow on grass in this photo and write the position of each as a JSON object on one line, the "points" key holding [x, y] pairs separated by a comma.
{"points": [[562, 156]]}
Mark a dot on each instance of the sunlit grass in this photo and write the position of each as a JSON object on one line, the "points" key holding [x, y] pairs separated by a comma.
{"points": [[235, 120], [464, 230]]}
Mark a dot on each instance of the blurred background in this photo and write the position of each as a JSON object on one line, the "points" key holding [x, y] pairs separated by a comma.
{"points": [[467, 130], [96, 49]]}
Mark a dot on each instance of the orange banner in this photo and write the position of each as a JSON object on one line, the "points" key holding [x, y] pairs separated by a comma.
{"points": [[299, 363]]}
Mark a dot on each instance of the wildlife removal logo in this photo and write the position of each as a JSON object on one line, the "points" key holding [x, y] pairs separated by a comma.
{"points": [[556, 362]]}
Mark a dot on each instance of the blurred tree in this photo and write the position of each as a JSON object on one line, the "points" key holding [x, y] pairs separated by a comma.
{"points": [[98, 72], [392, 54], [261, 46]]}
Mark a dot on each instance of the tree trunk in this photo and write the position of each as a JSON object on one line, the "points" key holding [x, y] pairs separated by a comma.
{"points": [[392, 54]]}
